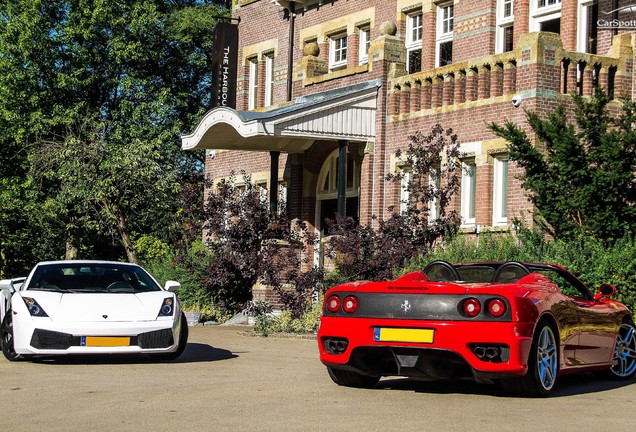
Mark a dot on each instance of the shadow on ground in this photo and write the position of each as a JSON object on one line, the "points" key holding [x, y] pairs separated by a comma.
{"points": [[194, 353], [566, 386]]}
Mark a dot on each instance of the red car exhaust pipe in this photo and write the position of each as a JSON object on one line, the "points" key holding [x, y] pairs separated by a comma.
{"points": [[480, 352], [492, 352]]}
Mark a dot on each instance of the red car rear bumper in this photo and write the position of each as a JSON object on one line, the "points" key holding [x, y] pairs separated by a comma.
{"points": [[457, 337]]}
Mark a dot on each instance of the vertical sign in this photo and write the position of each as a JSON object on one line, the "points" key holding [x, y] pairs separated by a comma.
{"points": [[224, 62]]}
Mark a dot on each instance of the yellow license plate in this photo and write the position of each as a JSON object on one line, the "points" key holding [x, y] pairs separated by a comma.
{"points": [[99, 341], [382, 334]]}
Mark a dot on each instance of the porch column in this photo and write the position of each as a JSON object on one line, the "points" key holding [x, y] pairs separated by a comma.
{"points": [[273, 182], [342, 177]]}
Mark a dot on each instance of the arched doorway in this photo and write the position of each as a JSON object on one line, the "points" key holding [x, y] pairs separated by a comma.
{"points": [[327, 191]]}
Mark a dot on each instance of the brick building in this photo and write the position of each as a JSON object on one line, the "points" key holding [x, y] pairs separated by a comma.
{"points": [[360, 76]]}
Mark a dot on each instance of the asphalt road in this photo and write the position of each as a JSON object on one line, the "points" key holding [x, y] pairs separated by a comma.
{"points": [[229, 381]]}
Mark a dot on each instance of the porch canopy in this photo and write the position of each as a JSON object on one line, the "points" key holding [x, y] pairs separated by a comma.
{"points": [[344, 114]]}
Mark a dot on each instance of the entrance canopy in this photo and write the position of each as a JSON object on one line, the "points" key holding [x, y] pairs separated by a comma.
{"points": [[341, 114]]}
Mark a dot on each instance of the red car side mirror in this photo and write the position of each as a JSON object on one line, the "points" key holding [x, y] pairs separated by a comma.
{"points": [[605, 290]]}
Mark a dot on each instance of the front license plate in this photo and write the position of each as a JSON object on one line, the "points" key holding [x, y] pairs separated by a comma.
{"points": [[383, 334], [98, 341]]}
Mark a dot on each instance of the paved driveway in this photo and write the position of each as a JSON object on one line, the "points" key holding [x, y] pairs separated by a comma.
{"points": [[229, 381]]}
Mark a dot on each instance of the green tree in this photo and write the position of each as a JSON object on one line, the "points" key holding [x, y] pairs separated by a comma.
{"points": [[580, 176], [93, 97]]}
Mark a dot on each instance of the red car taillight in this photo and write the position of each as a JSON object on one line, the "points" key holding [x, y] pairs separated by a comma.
{"points": [[471, 307], [350, 304], [496, 308], [333, 304]]}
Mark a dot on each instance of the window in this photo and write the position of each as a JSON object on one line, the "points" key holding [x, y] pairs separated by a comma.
{"points": [[444, 45], [269, 79], [545, 15], [262, 192], [365, 43], [434, 186], [468, 192], [587, 26], [405, 194], [500, 191], [282, 193], [414, 43], [338, 52], [505, 26], [252, 83]]}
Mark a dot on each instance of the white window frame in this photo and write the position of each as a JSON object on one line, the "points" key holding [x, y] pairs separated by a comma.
{"points": [[501, 176], [282, 193], [405, 194], [414, 34], [364, 41], [581, 29], [252, 85], [434, 181], [468, 192], [269, 79], [503, 22], [443, 35], [337, 51], [541, 14], [263, 193]]}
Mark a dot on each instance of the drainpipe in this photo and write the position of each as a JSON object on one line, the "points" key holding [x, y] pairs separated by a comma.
{"points": [[290, 61], [614, 17]]}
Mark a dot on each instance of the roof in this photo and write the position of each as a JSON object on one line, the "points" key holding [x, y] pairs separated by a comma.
{"points": [[346, 113]]}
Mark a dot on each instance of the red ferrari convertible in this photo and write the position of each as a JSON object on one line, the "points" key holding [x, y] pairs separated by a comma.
{"points": [[521, 324]]}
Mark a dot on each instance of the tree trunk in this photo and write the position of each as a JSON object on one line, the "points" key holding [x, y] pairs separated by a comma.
{"points": [[122, 228], [72, 242]]}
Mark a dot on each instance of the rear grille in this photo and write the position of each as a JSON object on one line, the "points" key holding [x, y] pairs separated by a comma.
{"points": [[156, 339], [46, 339]]}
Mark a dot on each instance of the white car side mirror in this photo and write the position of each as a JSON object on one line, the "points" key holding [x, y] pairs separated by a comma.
{"points": [[7, 284], [172, 286]]}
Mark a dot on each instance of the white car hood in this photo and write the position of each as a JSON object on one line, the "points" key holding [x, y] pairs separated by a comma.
{"points": [[73, 307]]}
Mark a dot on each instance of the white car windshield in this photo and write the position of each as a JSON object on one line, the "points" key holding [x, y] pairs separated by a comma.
{"points": [[91, 278]]}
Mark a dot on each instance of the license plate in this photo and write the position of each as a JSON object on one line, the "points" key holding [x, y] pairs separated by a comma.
{"points": [[99, 341], [382, 334]]}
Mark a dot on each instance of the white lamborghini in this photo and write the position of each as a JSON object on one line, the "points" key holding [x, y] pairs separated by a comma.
{"points": [[90, 307]]}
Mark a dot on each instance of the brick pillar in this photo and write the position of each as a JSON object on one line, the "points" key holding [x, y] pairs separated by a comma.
{"points": [[324, 51], [295, 186], [426, 94], [483, 204], [416, 96], [569, 13], [603, 78], [260, 91], [460, 87], [405, 99], [496, 80], [429, 20], [436, 92], [571, 77], [483, 84], [471, 84], [394, 101], [353, 49], [509, 78], [587, 80], [522, 20], [448, 88]]}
